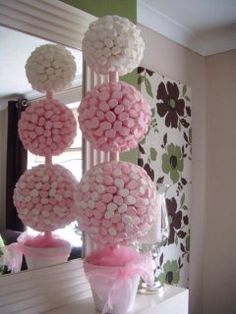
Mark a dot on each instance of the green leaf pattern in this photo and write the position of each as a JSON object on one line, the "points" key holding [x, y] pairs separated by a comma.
{"points": [[170, 274], [148, 87], [153, 154]]}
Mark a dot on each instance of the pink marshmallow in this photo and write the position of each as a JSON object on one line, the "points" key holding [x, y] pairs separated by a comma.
{"points": [[101, 206], [107, 197], [110, 116], [118, 200], [111, 189]]}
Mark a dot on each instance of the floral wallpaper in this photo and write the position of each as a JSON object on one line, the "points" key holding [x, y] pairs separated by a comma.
{"points": [[166, 155]]}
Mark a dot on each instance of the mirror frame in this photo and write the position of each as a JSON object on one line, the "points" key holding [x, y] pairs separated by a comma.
{"points": [[50, 20]]}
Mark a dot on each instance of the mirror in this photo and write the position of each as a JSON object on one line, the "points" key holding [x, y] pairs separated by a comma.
{"points": [[21, 34]]}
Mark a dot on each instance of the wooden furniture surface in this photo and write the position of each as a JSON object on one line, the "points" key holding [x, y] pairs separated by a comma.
{"points": [[173, 300], [64, 289]]}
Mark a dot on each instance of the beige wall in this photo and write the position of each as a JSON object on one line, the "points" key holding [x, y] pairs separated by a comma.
{"points": [[3, 157], [220, 247], [183, 65], [213, 211]]}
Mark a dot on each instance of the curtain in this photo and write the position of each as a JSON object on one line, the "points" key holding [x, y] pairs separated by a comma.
{"points": [[16, 161]]}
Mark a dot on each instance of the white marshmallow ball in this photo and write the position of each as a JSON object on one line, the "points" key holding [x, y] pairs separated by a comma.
{"points": [[113, 44], [50, 68]]}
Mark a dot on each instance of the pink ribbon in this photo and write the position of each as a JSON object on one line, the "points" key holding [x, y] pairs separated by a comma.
{"points": [[12, 257], [114, 285]]}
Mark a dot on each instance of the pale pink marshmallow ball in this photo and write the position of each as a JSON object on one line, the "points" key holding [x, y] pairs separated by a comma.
{"points": [[117, 202], [45, 197], [47, 128], [114, 117]]}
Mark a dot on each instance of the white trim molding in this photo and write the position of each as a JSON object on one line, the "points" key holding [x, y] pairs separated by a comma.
{"points": [[206, 44], [51, 20], [164, 25]]}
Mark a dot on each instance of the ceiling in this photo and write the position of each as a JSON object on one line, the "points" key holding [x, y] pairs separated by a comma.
{"points": [[205, 26]]}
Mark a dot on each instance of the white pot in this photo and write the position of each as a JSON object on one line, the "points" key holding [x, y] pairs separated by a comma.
{"points": [[108, 283], [43, 257], [120, 308]]}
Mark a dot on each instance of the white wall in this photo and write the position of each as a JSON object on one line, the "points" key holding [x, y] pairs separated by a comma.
{"points": [[181, 64], [220, 249]]}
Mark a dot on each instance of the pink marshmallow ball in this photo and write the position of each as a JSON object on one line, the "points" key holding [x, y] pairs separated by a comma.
{"points": [[47, 128], [110, 209], [45, 197], [114, 117]]}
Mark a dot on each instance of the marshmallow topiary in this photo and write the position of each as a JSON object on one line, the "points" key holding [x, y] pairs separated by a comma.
{"points": [[113, 43], [47, 127], [45, 197], [117, 202], [50, 68], [114, 117]]}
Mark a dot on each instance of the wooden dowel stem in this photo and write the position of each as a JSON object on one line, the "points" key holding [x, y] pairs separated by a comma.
{"points": [[48, 160], [113, 77], [49, 95], [114, 156]]}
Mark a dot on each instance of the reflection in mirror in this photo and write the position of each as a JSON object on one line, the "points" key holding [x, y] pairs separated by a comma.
{"points": [[13, 55]]}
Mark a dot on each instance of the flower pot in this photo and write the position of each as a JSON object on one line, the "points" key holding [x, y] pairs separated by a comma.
{"points": [[43, 257], [114, 274], [46, 254], [113, 290], [120, 307]]}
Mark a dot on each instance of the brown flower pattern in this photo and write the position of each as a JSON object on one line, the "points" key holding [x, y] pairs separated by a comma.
{"points": [[143, 70], [175, 218], [149, 171], [171, 106]]}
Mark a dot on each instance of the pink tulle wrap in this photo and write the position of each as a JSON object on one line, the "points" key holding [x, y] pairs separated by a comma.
{"points": [[114, 273], [26, 244], [12, 257]]}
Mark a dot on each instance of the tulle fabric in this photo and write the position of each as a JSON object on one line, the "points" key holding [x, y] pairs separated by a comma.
{"points": [[33, 247], [114, 273], [12, 257]]}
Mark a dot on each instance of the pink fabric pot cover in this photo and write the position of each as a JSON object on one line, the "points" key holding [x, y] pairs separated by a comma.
{"points": [[36, 256], [113, 274]]}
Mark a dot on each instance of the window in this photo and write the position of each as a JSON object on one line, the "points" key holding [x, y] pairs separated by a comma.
{"points": [[72, 160]]}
